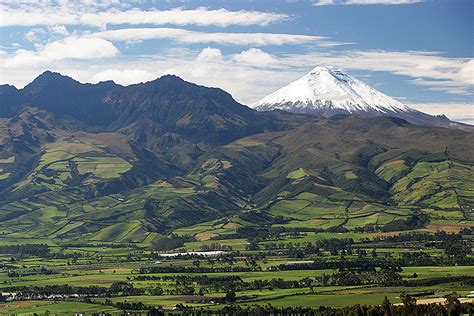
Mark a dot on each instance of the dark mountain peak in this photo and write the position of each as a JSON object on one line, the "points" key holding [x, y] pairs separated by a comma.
{"points": [[62, 95], [49, 75], [167, 79], [168, 83], [10, 100], [5, 88], [108, 84], [50, 79], [442, 117], [172, 86], [170, 78], [174, 79]]}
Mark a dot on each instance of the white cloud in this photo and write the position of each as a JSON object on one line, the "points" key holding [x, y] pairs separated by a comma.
{"points": [[383, 1], [80, 48], [448, 86], [256, 57], [31, 36], [71, 47], [363, 2], [462, 112], [192, 37], [124, 76], [246, 83], [83, 13], [323, 2], [35, 34], [59, 29], [209, 55], [200, 16]]}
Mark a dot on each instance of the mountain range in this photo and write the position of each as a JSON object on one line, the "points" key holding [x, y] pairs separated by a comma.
{"points": [[111, 163]]}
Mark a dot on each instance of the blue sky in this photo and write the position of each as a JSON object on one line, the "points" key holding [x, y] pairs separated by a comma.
{"points": [[418, 51]]}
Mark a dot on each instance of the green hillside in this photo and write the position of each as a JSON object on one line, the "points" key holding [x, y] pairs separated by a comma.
{"points": [[332, 174]]}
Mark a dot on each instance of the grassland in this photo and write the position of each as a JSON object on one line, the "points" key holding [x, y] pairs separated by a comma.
{"points": [[103, 267]]}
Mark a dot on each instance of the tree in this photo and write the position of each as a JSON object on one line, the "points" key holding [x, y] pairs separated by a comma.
{"points": [[457, 249], [252, 245], [374, 253], [452, 298], [122, 287], [387, 307], [452, 303], [156, 311], [407, 300], [164, 243], [156, 291], [230, 296], [361, 253]]}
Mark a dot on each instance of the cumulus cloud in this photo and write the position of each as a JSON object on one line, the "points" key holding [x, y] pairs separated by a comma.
{"points": [[83, 13], [123, 76], [209, 55], [192, 37], [68, 48], [35, 34], [256, 57], [59, 29], [245, 82], [363, 2]]}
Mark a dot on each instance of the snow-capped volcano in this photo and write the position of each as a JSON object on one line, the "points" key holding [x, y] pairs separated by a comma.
{"points": [[325, 91]]}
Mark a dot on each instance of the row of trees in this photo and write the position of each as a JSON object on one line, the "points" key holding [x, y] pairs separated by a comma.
{"points": [[452, 306]]}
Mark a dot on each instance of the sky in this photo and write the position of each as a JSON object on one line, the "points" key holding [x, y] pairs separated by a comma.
{"points": [[420, 52]]}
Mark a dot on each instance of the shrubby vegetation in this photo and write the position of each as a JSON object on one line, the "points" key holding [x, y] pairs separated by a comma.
{"points": [[38, 250], [409, 307]]}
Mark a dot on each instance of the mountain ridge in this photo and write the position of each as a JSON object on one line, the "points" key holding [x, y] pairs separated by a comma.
{"points": [[112, 106]]}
